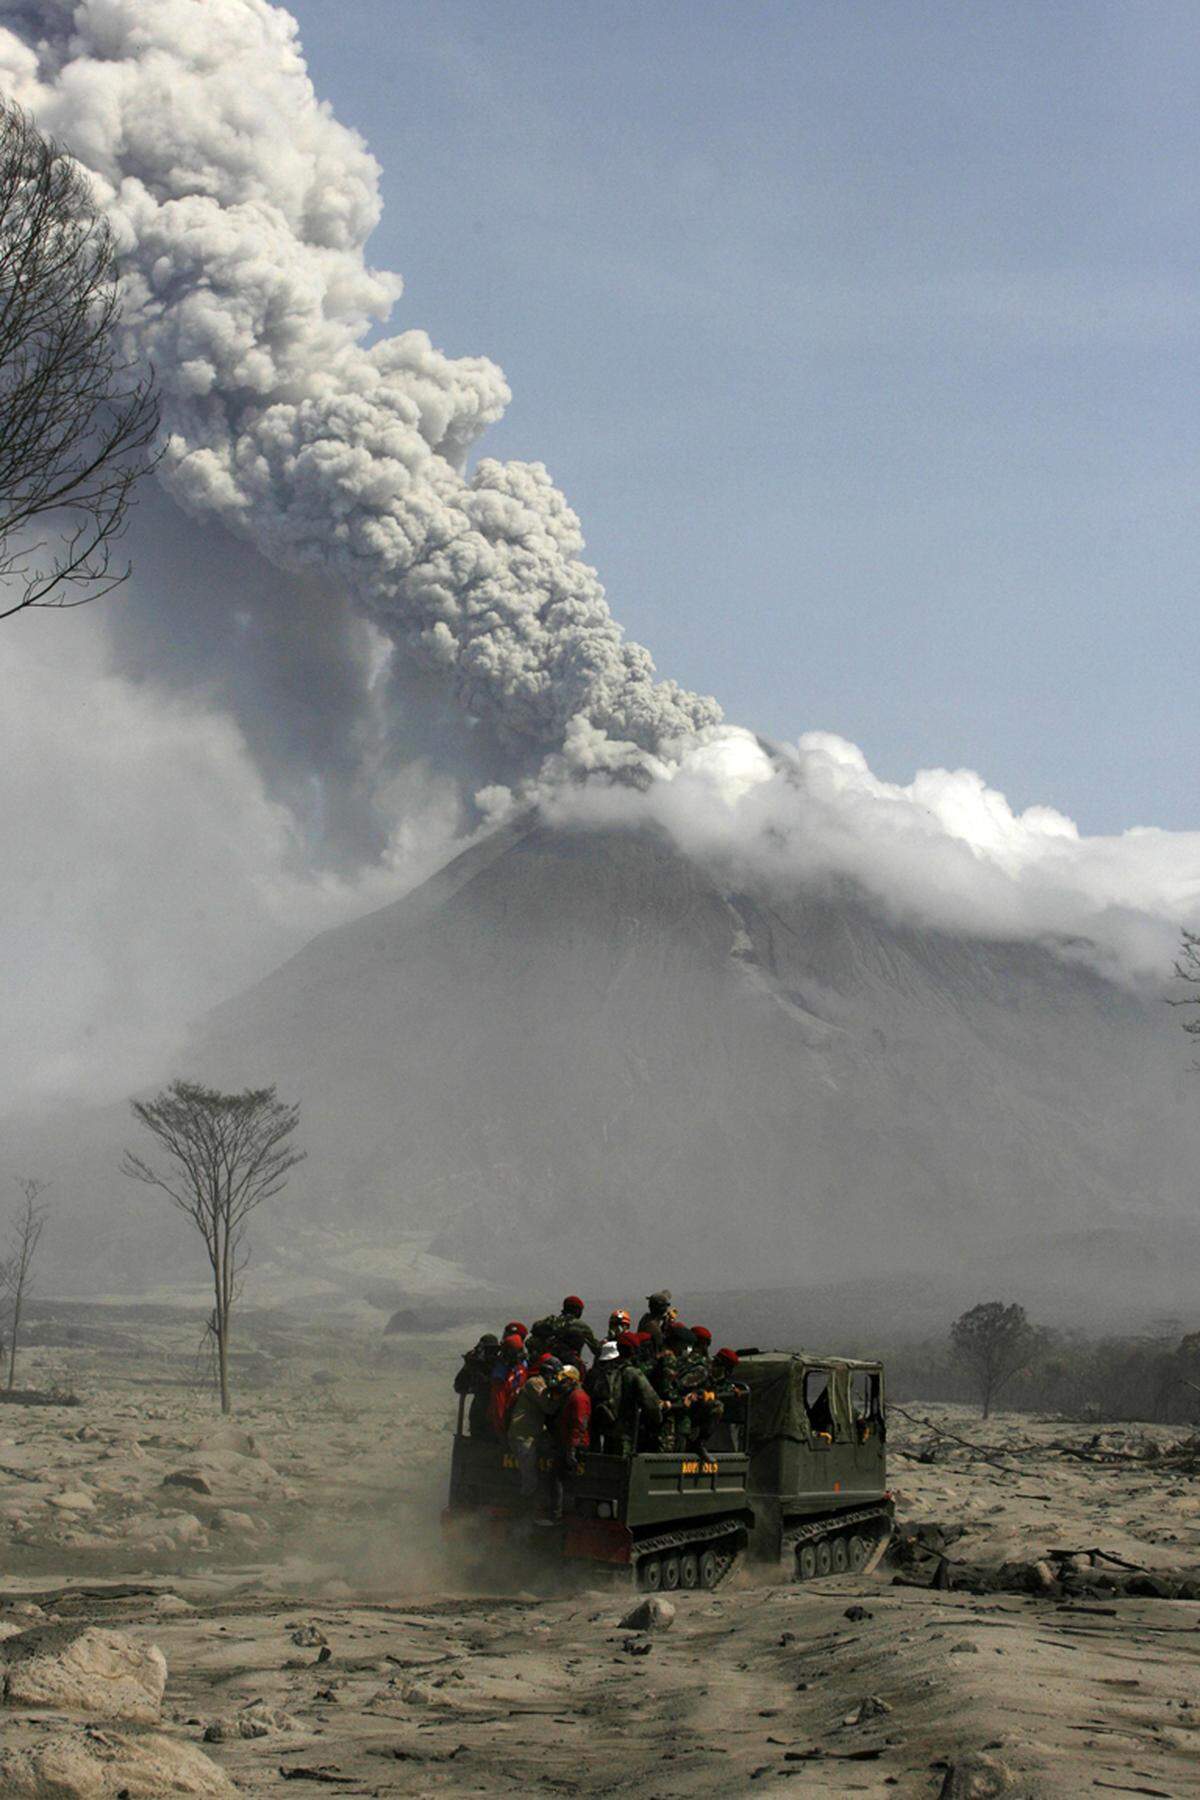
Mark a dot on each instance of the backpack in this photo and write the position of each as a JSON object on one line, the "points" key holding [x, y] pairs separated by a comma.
{"points": [[605, 1388]]}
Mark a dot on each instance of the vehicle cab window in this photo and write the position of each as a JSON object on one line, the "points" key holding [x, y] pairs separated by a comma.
{"points": [[818, 1404], [866, 1404]]}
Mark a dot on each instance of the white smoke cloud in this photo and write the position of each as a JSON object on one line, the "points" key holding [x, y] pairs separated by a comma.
{"points": [[243, 208], [145, 872], [945, 851]]}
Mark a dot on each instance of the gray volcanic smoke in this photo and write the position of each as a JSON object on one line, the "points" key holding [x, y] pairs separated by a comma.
{"points": [[243, 208]]}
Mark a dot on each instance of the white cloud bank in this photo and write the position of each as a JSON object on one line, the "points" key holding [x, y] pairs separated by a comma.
{"points": [[944, 851]]}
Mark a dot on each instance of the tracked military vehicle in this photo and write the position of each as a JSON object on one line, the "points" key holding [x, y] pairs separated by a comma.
{"points": [[794, 1476]]}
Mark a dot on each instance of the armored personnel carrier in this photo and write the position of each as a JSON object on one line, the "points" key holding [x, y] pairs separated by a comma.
{"points": [[795, 1476]]}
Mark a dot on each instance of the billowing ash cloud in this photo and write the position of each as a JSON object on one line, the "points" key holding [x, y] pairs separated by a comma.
{"points": [[944, 850], [166, 849], [243, 207]]}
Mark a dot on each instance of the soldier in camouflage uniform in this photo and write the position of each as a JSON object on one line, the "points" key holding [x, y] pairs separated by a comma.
{"points": [[535, 1406], [639, 1408], [658, 1315], [564, 1334], [475, 1379]]}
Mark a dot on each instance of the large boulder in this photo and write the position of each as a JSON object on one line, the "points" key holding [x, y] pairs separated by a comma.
{"points": [[87, 1764], [83, 1669]]}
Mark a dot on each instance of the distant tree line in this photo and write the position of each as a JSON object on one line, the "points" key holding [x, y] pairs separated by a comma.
{"points": [[1063, 1373]]}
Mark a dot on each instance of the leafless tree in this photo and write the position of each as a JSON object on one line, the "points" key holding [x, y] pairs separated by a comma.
{"points": [[1187, 968], [227, 1153], [994, 1341], [16, 1269], [77, 416]]}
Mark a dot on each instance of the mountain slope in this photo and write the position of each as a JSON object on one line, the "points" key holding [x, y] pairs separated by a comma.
{"points": [[576, 1056]]}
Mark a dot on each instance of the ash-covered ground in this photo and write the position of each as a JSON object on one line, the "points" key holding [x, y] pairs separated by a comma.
{"points": [[287, 1565]]}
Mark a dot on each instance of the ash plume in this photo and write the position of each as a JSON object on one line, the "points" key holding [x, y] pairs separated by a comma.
{"points": [[242, 209], [358, 628]]}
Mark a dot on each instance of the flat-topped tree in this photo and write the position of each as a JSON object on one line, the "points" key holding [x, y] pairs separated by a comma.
{"points": [[227, 1153]]}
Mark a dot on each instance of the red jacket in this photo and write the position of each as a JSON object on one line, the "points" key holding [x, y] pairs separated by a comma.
{"points": [[573, 1423], [506, 1385]]}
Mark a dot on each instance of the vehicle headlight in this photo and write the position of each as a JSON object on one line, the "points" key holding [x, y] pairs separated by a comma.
{"points": [[604, 1509]]}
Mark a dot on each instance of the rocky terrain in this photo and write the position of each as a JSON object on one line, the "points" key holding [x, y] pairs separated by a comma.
{"points": [[262, 1606]]}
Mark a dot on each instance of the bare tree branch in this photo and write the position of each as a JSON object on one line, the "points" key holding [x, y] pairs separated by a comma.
{"points": [[16, 1268], [78, 417]]}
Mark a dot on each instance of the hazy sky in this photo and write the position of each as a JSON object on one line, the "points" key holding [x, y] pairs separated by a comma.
{"points": [[862, 338]]}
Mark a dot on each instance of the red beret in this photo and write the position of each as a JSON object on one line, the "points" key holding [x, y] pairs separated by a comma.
{"points": [[514, 1328], [703, 1333], [728, 1356], [628, 1340], [513, 1343], [572, 1303]]}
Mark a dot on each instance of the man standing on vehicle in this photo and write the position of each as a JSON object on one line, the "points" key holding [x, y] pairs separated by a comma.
{"points": [[603, 1386], [658, 1315], [508, 1378], [564, 1334], [475, 1379], [639, 1409], [573, 1429], [536, 1404]]}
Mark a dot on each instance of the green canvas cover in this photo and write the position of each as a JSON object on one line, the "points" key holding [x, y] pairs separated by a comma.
{"points": [[776, 1386], [776, 1383]]}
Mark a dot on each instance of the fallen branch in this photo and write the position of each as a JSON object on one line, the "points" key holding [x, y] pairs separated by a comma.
{"points": [[985, 1453]]}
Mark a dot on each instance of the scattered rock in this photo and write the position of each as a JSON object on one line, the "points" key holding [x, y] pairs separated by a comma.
{"points": [[651, 1614], [857, 1614], [637, 1646], [74, 1500], [309, 1637], [83, 1669], [87, 1764], [870, 1707], [323, 1378], [170, 1606], [226, 1520], [1151, 1587], [187, 1478], [254, 1721], [966, 1648], [977, 1777]]}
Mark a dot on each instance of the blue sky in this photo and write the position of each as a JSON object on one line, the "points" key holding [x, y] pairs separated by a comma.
{"points": [[863, 339]]}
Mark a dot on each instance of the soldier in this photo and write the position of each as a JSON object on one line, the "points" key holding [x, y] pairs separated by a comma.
{"points": [[658, 1315], [535, 1405], [618, 1321], [508, 1378], [573, 1430], [684, 1378], [564, 1333], [639, 1409], [475, 1379], [724, 1388], [604, 1391], [514, 1328], [669, 1388]]}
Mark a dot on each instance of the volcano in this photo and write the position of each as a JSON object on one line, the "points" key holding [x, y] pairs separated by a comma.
{"points": [[582, 1052]]}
